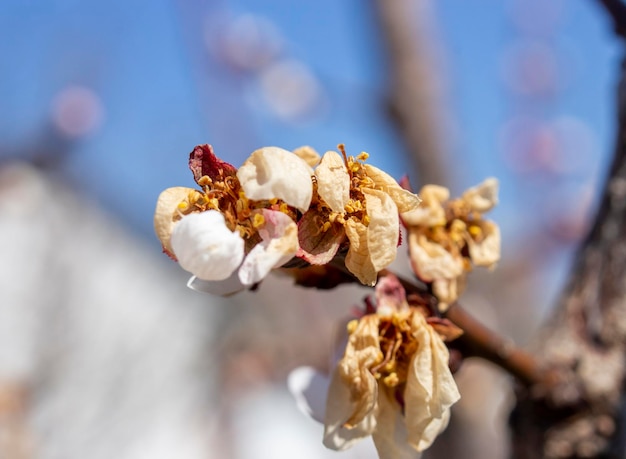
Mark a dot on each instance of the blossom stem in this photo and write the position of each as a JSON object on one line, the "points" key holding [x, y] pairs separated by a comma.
{"points": [[479, 341]]}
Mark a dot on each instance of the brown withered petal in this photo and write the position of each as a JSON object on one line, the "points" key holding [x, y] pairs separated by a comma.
{"points": [[164, 213], [318, 247], [444, 328], [202, 161]]}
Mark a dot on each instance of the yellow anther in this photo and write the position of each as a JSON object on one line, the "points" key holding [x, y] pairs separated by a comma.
{"points": [[326, 227], [351, 327], [475, 231], [349, 208], [389, 366], [363, 156], [366, 220], [284, 208], [183, 205], [391, 380], [258, 220]]}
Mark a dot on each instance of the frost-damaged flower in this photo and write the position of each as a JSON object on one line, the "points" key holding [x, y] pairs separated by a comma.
{"points": [[356, 201], [241, 224], [393, 381], [447, 237]]}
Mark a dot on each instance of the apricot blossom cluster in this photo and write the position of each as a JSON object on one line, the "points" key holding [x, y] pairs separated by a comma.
{"points": [[242, 223]]}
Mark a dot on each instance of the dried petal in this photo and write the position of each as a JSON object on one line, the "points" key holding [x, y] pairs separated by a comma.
{"points": [[333, 181], [279, 244], [482, 197], [165, 211], [272, 172], [430, 388], [430, 261], [444, 328], [202, 161], [383, 230], [487, 251], [391, 436], [339, 407], [404, 199], [431, 212], [358, 260], [318, 247], [205, 247], [308, 155]]}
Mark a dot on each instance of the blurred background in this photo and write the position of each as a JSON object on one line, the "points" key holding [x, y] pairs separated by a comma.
{"points": [[105, 353]]}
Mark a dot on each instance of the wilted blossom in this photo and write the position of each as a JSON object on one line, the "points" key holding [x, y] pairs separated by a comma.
{"points": [[393, 381], [448, 237], [241, 224], [357, 202], [245, 222]]}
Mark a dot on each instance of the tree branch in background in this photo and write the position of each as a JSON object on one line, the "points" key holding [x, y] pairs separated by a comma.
{"points": [[413, 89]]}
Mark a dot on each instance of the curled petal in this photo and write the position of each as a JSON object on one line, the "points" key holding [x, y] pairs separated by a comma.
{"points": [[166, 210], [362, 353], [482, 197], [225, 287], [272, 172], [430, 388], [487, 251], [310, 388], [279, 244], [316, 246], [308, 155], [383, 230], [339, 407], [430, 261], [431, 212], [202, 161], [206, 247], [333, 181], [404, 199], [358, 260]]}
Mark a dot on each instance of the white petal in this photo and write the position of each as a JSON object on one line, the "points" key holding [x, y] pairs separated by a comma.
{"points": [[310, 389], [482, 197], [279, 245], [272, 172], [333, 181], [224, 287], [205, 247]]}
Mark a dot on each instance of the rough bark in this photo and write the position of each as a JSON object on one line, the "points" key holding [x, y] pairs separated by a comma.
{"points": [[585, 342]]}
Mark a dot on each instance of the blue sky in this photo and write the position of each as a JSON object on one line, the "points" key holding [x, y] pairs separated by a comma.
{"points": [[161, 92]]}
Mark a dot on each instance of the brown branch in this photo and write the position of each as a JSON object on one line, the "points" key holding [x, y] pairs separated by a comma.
{"points": [[413, 87]]}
